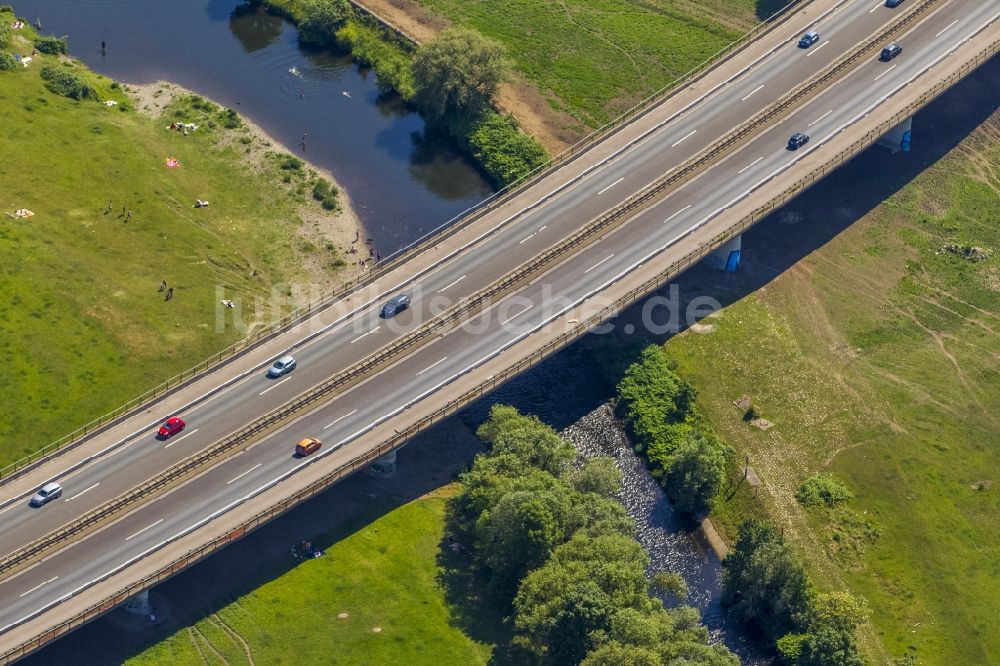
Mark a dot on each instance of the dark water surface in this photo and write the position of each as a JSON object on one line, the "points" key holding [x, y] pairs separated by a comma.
{"points": [[401, 187]]}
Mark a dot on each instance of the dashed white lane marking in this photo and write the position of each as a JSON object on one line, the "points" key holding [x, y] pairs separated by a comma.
{"points": [[678, 142], [820, 118], [449, 286], [876, 8], [599, 263], [526, 238], [38, 586], [339, 419], [947, 28], [676, 214], [811, 51], [237, 478], [885, 72], [435, 363], [174, 441], [368, 333], [513, 317], [147, 527], [749, 165], [610, 186], [752, 92], [83, 491], [274, 386]]}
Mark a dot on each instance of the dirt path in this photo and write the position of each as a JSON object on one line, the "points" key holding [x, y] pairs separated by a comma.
{"points": [[554, 129]]}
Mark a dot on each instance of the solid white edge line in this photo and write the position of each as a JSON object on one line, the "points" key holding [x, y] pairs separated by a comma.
{"points": [[198, 524], [38, 586], [83, 491], [274, 386], [364, 334], [752, 92], [128, 538], [432, 365], [608, 187], [680, 140], [451, 285], [237, 478], [599, 263], [339, 419], [174, 441]]}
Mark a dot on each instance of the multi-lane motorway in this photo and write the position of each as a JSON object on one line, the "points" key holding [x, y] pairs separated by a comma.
{"points": [[342, 425]]}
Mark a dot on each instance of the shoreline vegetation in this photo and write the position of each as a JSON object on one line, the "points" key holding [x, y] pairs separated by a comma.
{"points": [[452, 80], [109, 263]]}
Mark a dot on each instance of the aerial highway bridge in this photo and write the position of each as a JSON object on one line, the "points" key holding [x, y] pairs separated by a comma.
{"points": [[493, 293]]}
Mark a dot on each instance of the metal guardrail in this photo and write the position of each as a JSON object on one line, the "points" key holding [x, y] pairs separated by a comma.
{"points": [[388, 264], [397, 440]]}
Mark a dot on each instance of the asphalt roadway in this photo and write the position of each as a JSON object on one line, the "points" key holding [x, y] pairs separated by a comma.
{"points": [[342, 425]]}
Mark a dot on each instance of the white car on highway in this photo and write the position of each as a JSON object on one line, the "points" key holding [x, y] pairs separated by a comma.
{"points": [[282, 366]]}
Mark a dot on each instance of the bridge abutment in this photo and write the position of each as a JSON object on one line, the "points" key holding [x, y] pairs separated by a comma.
{"points": [[139, 604], [385, 467], [898, 138], [727, 257]]}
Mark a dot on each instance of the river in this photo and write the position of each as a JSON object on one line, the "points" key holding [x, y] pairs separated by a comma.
{"points": [[402, 183]]}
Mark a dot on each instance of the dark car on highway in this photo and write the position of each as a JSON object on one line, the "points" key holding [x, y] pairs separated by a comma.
{"points": [[893, 3], [395, 305], [797, 140], [808, 39], [890, 52], [171, 427]]}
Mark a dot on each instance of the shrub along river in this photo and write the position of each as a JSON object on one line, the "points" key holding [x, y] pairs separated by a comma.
{"points": [[403, 183]]}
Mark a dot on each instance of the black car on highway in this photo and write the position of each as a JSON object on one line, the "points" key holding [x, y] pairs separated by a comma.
{"points": [[797, 140], [890, 52], [395, 305]]}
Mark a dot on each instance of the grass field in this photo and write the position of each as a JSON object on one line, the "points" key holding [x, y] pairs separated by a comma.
{"points": [[385, 575], [82, 325], [596, 58], [877, 357]]}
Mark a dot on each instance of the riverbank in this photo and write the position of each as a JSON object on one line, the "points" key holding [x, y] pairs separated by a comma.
{"points": [[109, 266]]}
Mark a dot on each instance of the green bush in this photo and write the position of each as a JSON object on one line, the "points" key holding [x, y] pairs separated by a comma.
{"points": [[68, 83], [4, 38], [320, 19], [7, 62], [290, 163], [506, 153], [52, 45], [230, 119], [391, 61], [822, 490], [325, 193]]}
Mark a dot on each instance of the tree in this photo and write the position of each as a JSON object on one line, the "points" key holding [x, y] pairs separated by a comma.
{"points": [[599, 475], [830, 646], [764, 582], [320, 20], [508, 432], [458, 73], [831, 619], [695, 472], [656, 403], [596, 515], [518, 533]]}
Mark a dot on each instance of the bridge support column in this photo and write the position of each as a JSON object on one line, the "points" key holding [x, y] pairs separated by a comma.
{"points": [[139, 604], [727, 256], [898, 138], [385, 467]]}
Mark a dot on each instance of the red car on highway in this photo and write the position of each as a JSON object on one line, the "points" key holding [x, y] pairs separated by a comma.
{"points": [[171, 427]]}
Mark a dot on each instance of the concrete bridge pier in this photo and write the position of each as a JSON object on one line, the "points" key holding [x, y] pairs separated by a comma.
{"points": [[727, 256], [139, 604], [898, 138], [385, 467]]}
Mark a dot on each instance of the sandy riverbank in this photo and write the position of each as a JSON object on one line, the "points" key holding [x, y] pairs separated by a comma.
{"points": [[343, 227]]}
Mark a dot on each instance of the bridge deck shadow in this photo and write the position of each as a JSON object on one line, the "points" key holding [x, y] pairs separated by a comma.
{"points": [[560, 390]]}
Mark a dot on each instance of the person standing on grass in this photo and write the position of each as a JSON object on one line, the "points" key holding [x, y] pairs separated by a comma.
{"points": [[163, 286], [170, 294]]}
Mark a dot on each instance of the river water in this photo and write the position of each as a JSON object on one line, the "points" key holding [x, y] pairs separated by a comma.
{"points": [[402, 182]]}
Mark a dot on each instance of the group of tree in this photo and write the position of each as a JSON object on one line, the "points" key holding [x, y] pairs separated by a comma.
{"points": [[556, 551], [452, 79], [682, 451], [765, 585]]}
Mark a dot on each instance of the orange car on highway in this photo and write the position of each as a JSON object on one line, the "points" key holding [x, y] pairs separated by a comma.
{"points": [[307, 446]]}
